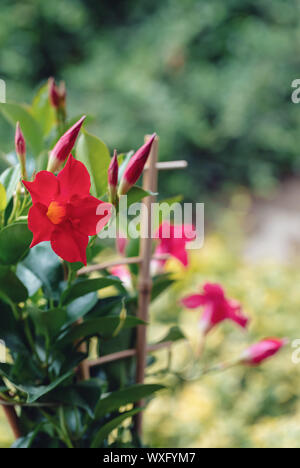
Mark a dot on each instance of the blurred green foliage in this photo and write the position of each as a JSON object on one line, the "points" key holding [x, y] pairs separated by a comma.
{"points": [[212, 78]]}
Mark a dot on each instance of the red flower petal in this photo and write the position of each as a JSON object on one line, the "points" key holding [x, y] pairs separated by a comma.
{"points": [[44, 188], [193, 302], [69, 244], [178, 251], [74, 179], [84, 217], [39, 224]]}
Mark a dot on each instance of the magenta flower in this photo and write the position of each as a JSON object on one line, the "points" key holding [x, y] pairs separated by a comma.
{"points": [[261, 351], [64, 146], [217, 307], [122, 272], [172, 241]]}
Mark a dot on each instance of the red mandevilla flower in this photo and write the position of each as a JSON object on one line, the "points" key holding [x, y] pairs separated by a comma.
{"points": [[64, 212], [217, 307], [173, 240], [64, 146], [261, 351], [136, 166]]}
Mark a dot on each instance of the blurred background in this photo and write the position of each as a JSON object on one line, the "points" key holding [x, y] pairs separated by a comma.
{"points": [[213, 79]]}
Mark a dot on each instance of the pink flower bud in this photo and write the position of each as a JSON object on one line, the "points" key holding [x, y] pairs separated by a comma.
{"points": [[113, 175], [20, 145], [136, 166], [57, 94], [64, 146], [261, 351]]}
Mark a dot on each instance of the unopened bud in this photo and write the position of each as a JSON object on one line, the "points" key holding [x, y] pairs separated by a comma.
{"points": [[136, 166], [20, 146], [63, 147]]}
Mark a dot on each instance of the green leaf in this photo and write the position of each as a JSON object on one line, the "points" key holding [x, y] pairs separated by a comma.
{"points": [[27, 441], [29, 279], [9, 179], [95, 155], [160, 285], [3, 201], [174, 334], [11, 330], [81, 306], [36, 392], [48, 322], [11, 288], [15, 240], [42, 110], [46, 266], [105, 430], [136, 194], [104, 326], [124, 397], [31, 129], [81, 288], [83, 394]]}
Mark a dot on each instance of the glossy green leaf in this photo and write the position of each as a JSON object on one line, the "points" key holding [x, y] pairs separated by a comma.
{"points": [[36, 392], [84, 287], [9, 179], [137, 194], [11, 330], [124, 397], [104, 326], [46, 266], [82, 394], [15, 240], [48, 322], [29, 279], [81, 306], [95, 155], [11, 288], [105, 430], [3, 201], [30, 127]]}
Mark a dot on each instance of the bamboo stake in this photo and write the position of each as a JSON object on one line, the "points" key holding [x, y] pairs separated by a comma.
{"points": [[126, 354], [120, 261], [145, 281], [170, 165], [13, 419], [109, 264]]}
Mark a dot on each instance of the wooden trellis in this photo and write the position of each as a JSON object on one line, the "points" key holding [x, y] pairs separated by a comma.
{"points": [[150, 183]]}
